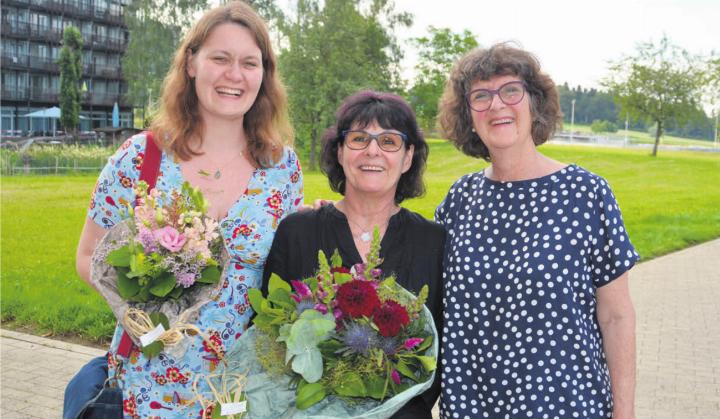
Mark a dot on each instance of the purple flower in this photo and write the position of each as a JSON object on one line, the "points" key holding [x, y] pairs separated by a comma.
{"points": [[186, 279], [412, 342], [358, 338], [395, 377], [375, 273], [146, 238], [302, 289], [321, 308]]}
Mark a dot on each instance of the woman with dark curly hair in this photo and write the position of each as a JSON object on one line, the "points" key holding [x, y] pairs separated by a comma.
{"points": [[374, 156], [538, 317]]}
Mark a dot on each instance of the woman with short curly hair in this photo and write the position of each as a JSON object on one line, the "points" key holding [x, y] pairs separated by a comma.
{"points": [[538, 317]]}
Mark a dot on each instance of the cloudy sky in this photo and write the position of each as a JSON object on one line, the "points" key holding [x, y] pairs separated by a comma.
{"points": [[574, 40]]}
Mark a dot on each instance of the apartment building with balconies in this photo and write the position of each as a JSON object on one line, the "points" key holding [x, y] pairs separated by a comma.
{"points": [[32, 33]]}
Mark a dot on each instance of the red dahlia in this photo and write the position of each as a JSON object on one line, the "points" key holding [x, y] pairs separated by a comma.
{"points": [[357, 298], [390, 318]]}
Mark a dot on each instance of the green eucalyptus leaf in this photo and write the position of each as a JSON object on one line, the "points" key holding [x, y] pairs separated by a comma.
{"points": [[309, 394]]}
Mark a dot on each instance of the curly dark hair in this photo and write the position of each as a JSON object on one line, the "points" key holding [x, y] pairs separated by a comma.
{"points": [[390, 111], [454, 117]]}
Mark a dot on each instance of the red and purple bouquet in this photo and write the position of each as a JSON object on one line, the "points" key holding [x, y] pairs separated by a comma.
{"points": [[348, 333]]}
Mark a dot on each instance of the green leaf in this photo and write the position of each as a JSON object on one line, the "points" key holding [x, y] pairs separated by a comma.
{"points": [[351, 385], [210, 275], [341, 278], [309, 394], [127, 287], [311, 328], [376, 387], [162, 286], [216, 412], [153, 349], [405, 370], [119, 257], [160, 318], [281, 297], [143, 296], [256, 299], [176, 292], [425, 344], [428, 362], [277, 283]]}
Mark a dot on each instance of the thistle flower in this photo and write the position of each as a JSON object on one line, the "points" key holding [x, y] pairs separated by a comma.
{"points": [[389, 345], [304, 304], [358, 338]]}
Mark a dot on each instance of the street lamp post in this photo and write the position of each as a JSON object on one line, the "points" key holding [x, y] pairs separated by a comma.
{"points": [[572, 120]]}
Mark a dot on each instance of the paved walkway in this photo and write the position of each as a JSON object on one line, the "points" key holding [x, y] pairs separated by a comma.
{"points": [[677, 299]]}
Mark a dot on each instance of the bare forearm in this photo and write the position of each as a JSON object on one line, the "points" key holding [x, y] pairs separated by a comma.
{"points": [[619, 345]]}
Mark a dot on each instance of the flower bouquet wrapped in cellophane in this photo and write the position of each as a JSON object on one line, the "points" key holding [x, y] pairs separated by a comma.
{"points": [[158, 267], [345, 343]]}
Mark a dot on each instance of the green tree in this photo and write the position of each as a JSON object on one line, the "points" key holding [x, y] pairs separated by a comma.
{"points": [[712, 90], [436, 55], [155, 27], [660, 83], [70, 61], [329, 50]]}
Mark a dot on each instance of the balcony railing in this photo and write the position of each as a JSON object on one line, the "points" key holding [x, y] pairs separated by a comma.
{"points": [[28, 30], [52, 96]]}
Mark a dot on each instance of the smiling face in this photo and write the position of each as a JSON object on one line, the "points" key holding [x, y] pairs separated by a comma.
{"points": [[228, 73], [373, 171], [503, 127]]}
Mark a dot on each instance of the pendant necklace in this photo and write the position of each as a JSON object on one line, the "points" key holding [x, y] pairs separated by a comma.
{"points": [[366, 234], [218, 172]]}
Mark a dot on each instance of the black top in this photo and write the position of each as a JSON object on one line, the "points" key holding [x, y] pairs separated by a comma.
{"points": [[412, 249]]}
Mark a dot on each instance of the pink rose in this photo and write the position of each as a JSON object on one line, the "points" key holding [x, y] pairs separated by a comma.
{"points": [[169, 238]]}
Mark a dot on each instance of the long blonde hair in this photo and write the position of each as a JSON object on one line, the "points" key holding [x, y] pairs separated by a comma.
{"points": [[266, 123]]}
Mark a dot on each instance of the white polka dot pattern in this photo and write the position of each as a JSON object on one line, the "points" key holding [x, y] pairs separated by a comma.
{"points": [[522, 262]]}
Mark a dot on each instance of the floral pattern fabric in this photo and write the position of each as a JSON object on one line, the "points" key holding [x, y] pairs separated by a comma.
{"points": [[162, 386]]}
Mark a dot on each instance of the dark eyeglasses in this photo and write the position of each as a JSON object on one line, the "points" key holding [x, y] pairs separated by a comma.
{"points": [[387, 140], [511, 93]]}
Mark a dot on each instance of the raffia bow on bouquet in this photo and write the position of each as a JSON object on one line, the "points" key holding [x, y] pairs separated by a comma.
{"points": [[341, 344], [160, 266]]}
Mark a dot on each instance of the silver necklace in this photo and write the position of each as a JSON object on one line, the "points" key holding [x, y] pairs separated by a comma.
{"points": [[366, 233], [218, 172]]}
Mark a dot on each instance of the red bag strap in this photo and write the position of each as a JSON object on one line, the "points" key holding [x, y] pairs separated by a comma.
{"points": [[151, 161], [149, 173]]}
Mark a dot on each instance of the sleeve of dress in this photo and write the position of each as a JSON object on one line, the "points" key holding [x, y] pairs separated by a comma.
{"points": [[612, 252], [114, 188], [295, 187]]}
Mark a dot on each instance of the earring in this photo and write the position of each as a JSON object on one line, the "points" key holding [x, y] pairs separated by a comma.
{"points": [[473, 130]]}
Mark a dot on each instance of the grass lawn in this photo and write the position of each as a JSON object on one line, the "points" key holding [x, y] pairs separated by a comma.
{"points": [[668, 203], [639, 137]]}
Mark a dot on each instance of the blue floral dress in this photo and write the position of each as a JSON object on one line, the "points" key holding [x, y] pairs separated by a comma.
{"points": [[162, 386]]}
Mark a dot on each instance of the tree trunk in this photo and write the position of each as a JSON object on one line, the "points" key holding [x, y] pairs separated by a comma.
{"points": [[313, 146], [658, 133]]}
